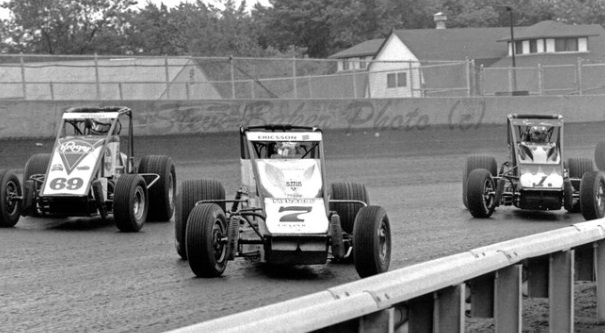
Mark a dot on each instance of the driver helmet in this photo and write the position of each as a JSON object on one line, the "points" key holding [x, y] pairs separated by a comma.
{"points": [[287, 149], [99, 127], [538, 134]]}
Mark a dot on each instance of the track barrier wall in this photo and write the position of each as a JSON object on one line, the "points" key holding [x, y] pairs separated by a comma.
{"points": [[434, 296], [28, 119]]}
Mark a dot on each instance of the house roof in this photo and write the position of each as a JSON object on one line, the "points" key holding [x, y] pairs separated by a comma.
{"points": [[367, 48], [552, 29]]}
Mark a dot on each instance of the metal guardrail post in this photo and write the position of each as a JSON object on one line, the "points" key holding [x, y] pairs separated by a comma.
{"points": [[561, 298], [508, 303], [482, 296], [420, 314], [600, 277], [537, 283], [450, 309]]}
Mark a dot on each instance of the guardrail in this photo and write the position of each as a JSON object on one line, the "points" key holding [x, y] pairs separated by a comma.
{"points": [[433, 296]]}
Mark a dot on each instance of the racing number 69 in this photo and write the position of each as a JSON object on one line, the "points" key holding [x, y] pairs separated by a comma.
{"points": [[69, 184], [294, 217]]}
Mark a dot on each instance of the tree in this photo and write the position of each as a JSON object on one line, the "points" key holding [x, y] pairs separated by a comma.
{"points": [[65, 26]]}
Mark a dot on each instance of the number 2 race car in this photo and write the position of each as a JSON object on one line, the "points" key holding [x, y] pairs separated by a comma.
{"points": [[283, 212], [535, 177], [88, 175]]}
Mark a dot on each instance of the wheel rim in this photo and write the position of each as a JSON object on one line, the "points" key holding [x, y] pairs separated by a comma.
{"points": [[383, 241], [488, 188], [599, 197], [139, 203], [171, 192], [9, 195], [218, 232]]}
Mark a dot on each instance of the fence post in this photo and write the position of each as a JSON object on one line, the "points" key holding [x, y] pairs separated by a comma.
{"points": [[482, 80], [468, 77], [354, 83], [411, 79], [579, 76], [120, 90], [294, 77], [97, 80], [540, 80], [232, 77], [52, 91], [166, 70], [23, 82]]}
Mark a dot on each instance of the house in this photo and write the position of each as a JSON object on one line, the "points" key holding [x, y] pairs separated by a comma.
{"points": [[106, 79], [428, 62]]}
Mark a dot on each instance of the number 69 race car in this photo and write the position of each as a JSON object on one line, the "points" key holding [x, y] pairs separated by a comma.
{"points": [[283, 213], [88, 175], [535, 177]]}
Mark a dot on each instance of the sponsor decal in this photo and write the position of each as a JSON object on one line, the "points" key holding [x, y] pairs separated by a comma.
{"points": [[84, 167], [294, 184], [293, 201], [73, 151], [56, 167], [277, 137]]}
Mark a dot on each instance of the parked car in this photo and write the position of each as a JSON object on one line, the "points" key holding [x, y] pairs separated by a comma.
{"points": [[88, 174], [535, 177], [284, 212]]}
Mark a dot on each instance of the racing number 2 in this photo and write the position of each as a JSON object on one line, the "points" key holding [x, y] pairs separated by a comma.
{"points": [[294, 217], [69, 184]]}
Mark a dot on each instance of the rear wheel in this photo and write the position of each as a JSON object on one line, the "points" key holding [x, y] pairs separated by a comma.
{"points": [[191, 192], [372, 241], [205, 234], [130, 202], [577, 168], [36, 164], [477, 162], [599, 155], [162, 194], [348, 211], [10, 207], [480, 193], [592, 195]]}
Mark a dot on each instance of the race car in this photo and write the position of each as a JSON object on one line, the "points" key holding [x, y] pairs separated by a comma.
{"points": [[535, 177], [87, 174], [284, 213]]}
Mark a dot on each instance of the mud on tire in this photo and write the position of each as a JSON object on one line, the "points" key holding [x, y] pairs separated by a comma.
{"points": [[371, 241], [477, 162], [130, 202], [481, 202], [206, 253]]}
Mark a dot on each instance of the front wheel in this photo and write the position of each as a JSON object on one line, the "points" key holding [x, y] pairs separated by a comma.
{"points": [[592, 192], [130, 202], [205, 240], [10, 207], [371, 241], [480, 192]]}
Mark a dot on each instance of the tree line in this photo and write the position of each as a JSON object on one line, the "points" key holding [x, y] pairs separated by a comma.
{"points": [[285, 28]]}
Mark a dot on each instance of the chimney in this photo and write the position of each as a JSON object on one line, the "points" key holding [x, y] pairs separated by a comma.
{"points": [[439, 19]]}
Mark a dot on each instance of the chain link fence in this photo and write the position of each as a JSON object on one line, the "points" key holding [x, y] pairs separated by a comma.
{"points": [[94, 77]]}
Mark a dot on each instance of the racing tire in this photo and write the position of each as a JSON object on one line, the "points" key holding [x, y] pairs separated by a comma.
{"points": [[10, 208], [371, 241], [192, 191], [36, 164], [130, 203], [477, 162], [568, 203], [599, 155], [578, 166], [206, 252], [592, 195], [348, 211], [481, 201], [162, 194]]}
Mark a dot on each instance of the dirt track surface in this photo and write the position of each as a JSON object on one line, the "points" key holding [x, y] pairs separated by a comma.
{"points": [[82, 275]]}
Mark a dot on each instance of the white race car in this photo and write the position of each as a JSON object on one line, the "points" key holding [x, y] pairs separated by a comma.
{"points": [[87, 174], [535, 177], [283, 213]]}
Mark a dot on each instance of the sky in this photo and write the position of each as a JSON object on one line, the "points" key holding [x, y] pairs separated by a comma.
{"points": [[170, 4]]}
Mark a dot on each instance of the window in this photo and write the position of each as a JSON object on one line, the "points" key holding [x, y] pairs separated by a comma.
{"points": [[518, 47], [345, 64], [363, 64], [533, 46], [566, 44], [395, 80]]}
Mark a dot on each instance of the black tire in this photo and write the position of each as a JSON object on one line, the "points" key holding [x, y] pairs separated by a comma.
{"points": [[477, 162], [371, 241], [568, 203], [481, 202], [578, 166], [599, 155], [162, 194], [10, 208], [348, 211], [592, 195], [192, 191], [130, 202], [207, 254], [36, 164]]}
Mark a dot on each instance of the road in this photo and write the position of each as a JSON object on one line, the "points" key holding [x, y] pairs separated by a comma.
{"points": [[83, 275]]}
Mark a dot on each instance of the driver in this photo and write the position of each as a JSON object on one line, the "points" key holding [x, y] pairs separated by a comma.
{"points": [[538, 134], [286, 150], [99, 127]]}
